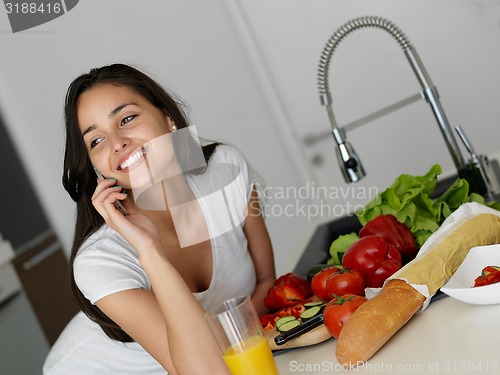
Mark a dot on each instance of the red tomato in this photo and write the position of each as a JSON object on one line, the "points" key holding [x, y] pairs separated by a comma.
{"points": [[318, 283], [338, 311], [346, 282], [489, 275], [374, 257]]}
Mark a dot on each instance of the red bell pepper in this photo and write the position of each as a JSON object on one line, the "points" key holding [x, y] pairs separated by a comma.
{"points": [[489, 275], [287, 290], [267, 321], [374, 257], [394, 232]]}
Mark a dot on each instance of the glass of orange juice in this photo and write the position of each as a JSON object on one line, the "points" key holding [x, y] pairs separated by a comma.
{"points": [[237, 330]]}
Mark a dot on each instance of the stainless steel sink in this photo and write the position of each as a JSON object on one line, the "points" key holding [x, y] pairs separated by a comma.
{"points": [[317, 250]]}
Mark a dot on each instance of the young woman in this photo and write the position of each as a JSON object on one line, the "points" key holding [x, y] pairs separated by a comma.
{"points": [[144, 279]]}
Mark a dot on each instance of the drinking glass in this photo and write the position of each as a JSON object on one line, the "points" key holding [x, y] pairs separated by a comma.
{"points": [[237, 330]]}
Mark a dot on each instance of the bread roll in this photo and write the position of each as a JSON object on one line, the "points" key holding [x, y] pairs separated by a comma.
{"points": [[378, 319], [375, 321]]}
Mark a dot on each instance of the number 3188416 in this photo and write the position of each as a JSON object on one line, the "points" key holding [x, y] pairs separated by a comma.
{"points": [[33, 8]]}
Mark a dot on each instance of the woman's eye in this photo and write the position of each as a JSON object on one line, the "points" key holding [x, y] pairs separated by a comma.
{"points": [[95, 142], [127, 119]]}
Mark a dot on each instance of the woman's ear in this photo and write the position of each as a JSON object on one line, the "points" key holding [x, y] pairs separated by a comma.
{"points": [[171, 124]]}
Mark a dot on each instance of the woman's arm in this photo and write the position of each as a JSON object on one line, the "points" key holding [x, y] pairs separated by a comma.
{"points": [[137, 312], [261, 251], [169, 324]]}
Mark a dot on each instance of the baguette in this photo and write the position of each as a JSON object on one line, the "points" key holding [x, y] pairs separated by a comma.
{"points": [[378, 319]]}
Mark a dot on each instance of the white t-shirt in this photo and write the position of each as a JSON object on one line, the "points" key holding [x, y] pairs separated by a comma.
{"points": [[106, 264]]}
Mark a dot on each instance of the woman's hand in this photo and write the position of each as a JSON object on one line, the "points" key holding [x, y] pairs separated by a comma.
{"points": [[136, 227], [151, 318]]}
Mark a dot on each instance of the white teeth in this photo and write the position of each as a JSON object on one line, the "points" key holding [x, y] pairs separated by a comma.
{"points": [[132, 159]]}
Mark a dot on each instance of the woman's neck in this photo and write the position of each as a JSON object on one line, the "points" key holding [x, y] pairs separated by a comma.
{"points": [[172, 205]]}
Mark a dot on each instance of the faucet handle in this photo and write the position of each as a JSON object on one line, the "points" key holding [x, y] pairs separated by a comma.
{"points": [[481, 173], [466, 141], [349, 163]]}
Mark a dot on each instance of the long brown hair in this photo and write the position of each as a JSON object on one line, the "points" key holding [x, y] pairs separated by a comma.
{"points": [[79, 179]]}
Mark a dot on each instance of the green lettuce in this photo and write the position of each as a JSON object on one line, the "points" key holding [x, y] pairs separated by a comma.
{"points": [[409, 200], [339, 247]]}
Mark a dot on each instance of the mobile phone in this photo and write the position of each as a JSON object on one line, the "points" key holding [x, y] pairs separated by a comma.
{"points": [[118, 204]]}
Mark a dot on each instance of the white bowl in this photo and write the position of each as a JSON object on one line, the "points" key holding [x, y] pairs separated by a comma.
{"points": [[460, 285]]}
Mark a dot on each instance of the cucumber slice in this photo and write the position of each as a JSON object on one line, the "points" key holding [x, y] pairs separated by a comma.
{"points": [[309, 313], [284, 319], [289, 325], [312, 304]]}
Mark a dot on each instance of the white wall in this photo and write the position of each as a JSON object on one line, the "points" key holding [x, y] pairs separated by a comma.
{"points": [[248, 70], [190, 46], [458, 42]]}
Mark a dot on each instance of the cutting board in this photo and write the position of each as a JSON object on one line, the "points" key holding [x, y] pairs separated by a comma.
{"points": [[314, 336]]}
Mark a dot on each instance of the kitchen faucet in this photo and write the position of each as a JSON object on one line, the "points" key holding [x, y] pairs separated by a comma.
{"points": [[349, 161]]}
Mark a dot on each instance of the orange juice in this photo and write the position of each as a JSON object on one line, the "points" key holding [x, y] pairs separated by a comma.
{"points": [[256, 359]]}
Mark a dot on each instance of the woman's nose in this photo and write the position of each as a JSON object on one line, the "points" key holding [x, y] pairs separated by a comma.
{"points": [[119, 143]]}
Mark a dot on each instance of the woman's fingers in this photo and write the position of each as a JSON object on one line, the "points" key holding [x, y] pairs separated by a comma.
{"points": [[114, 194], [106, 193], [136, 227], [103, 185]]}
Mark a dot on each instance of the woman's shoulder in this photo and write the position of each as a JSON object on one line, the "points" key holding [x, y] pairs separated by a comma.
{"points": [[105, 241], [228, 154], [105, 264]]}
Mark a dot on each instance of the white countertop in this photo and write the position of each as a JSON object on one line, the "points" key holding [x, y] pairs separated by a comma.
{"points": [[448, 337]]}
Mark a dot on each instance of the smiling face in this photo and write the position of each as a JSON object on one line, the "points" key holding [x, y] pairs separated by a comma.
{"points": [[116, 122]]}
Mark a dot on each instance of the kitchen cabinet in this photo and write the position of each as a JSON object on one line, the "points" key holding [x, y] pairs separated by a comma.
{"points": [[21, 215], [40, 262], [42, 268], [23, 346]]}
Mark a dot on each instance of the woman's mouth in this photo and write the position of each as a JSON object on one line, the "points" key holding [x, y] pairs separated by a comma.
{"points": [[132, 159]]}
